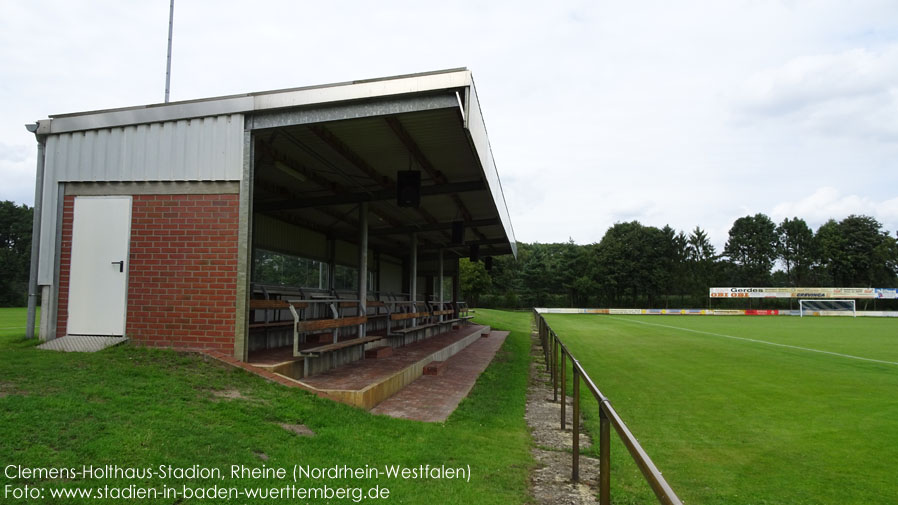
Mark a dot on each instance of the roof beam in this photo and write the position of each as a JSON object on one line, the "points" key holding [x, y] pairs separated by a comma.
{"points": [[269, 150], [428, 167], [370, 196], [485, 242], [353, 158], [376, 232]]}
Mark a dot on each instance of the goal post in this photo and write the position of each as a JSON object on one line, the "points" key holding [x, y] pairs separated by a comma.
{"points": [[827, 307]]}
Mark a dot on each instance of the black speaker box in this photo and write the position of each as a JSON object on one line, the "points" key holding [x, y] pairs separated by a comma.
{"points": [[458, 232], [408, 188]]}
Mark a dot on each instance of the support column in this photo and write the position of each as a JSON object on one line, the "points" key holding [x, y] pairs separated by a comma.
{"points": [[413, 268], [363, 264], [35, 240], [244, 251], [455, 283], [440, 298], [331, 264], [377, 275]]}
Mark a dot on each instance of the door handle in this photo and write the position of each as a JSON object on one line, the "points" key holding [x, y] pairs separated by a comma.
{"points": [[121, 265]]}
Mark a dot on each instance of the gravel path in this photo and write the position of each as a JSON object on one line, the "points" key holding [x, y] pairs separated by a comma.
{"points": [[550, 482]]}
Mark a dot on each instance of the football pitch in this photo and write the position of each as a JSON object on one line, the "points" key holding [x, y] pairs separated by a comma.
{"points": [[748, 410]]}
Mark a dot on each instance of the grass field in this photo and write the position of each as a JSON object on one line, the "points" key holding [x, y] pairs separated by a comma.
{"points": [[137, 407], [749, 410]]}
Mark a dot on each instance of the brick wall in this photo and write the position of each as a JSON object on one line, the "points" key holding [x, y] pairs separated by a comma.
{"points": [[65, 260], [182, 273]]}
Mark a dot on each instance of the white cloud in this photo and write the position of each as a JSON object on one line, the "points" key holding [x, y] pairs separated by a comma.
{"points": [[850, 93], [829, 203]]}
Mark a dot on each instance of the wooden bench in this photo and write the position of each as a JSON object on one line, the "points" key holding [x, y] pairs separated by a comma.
{"points": [[463, 314], [415, 316], [315, 352], [324, 357]]}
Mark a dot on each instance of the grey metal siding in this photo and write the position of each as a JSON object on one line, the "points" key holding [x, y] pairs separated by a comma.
{"points": [[202, 149]]}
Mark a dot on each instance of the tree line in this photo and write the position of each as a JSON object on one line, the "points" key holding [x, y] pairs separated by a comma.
{"points": [[635, 265], [15, 253]]}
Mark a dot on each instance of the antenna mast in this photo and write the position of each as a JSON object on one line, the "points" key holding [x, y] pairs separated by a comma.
{"points": [[171, 18]]}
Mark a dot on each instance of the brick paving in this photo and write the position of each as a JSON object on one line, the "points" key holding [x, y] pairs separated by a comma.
{"points": [[361, 374], [433, 398]]}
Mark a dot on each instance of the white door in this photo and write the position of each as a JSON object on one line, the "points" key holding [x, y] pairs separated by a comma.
{"points": [[98, 277]]}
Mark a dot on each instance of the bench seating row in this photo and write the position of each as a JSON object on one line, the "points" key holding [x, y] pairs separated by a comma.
{"points": [[320, 320]]}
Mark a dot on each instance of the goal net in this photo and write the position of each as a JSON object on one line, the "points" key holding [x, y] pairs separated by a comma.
{"points": [[827, 308]]}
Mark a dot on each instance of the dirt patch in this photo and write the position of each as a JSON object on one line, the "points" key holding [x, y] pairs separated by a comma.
{"points": [[8, 389], [550, 481], [300, 429], [261, 455], [230, 394]]}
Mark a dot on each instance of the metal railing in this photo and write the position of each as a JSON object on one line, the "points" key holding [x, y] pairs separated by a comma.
{"points": [[556, 353]]}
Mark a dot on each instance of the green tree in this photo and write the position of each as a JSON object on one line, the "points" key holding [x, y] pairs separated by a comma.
{"points": [[698, 248], [633, 262], [539, 273], [857, 252], [701, 259], [795, 247], [15, 253], [752, 248], [473, 280]]}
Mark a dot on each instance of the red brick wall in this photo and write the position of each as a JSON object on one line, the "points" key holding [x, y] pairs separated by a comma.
{"points": [[182, 273], [65, 259]]}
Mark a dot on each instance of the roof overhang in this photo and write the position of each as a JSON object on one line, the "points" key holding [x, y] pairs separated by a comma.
{"points": [[321, 151]]}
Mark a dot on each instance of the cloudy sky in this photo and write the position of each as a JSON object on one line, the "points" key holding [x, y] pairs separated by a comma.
{"points": [[688, 113]]}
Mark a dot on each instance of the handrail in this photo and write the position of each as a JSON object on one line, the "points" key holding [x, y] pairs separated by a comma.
{"points": [[555, 352]]}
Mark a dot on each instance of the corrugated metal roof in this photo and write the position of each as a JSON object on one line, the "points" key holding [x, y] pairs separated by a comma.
{"points": [[343, 137]]}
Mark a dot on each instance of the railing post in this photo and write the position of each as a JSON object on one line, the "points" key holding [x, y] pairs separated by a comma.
{"points": [[575, 464], [563, 390], [554, 367], [604, 457]]}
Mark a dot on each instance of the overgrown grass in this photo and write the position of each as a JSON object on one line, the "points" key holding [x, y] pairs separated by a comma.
{"points": [[734, 421], [136, 407]]}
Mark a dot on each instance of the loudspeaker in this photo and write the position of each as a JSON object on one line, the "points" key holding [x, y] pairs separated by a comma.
{"points": [[458, 232], [475, 253], [488, 263], [408, 188]]}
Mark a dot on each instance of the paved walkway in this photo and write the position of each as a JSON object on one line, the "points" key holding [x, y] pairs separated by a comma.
{"points": [[433, 398]]}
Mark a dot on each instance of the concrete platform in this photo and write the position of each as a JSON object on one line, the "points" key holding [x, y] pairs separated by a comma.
{"points": [[81, 343], [368, 382], [433, 398]]}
